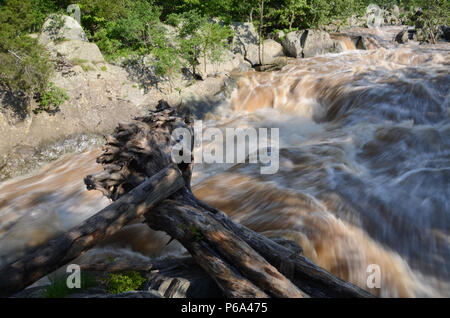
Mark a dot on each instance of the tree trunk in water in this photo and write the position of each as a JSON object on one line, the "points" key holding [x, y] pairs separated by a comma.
{"points": [[142, 177], [67, 246], [242, 262]]}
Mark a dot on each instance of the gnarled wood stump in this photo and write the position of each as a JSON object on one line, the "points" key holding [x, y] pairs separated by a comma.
{"points": [[242, 262]]}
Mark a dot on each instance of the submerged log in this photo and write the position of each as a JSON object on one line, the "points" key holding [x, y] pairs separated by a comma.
{"points": [[242, 262], [67, 246]]}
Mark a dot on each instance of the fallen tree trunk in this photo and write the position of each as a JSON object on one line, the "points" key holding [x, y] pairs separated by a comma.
{"points": [[67, 246], [242, 262], [190, 225], [312, 279]]}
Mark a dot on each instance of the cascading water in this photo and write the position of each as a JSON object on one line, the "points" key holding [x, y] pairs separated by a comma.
{"points": [[364, 172]]}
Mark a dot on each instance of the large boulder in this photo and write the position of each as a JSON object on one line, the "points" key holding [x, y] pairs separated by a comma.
{"points": [[444, 33], [79, 52], [272, 51], [246, 41], [229, 62], [316, 42], [291, 44], [402, 37], [58, 28], [309, 43]]}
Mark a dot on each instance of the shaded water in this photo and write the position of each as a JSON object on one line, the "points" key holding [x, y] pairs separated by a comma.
{"points": [[364, 170]]}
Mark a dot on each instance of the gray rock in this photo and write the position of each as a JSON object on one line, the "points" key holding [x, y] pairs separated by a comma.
{"points": [[79, 51], [272, 51], [74, 11], [315, 42], [69, 29], [246, 41], [309, 43], [181, 278], [228, 63], [32, 292], [291, 44], [445, 33], [402, 37]]}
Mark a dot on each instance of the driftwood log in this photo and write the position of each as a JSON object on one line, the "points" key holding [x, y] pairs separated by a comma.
{"points": [[69, 245], [142, 179], [242, 262]]}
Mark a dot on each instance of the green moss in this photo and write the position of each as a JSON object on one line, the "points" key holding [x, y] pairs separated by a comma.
{"points": [[121, 283], [197, 234]]}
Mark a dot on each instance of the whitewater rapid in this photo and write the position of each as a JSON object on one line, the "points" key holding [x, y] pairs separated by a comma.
{"points": [[364, 173]]}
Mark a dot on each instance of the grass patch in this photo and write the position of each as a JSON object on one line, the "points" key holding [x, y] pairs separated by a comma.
{"points": [[83, 63], [58, 286], [78, 61], [51, 99]]}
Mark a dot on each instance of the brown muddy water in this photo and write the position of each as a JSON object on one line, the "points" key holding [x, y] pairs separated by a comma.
{"points": [[364, 173]]}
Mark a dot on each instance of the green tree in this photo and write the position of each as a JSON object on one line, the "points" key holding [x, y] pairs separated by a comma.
{"points": [[24, 64], [167, 62], [200, 37], [429, 19], [287, 13]]}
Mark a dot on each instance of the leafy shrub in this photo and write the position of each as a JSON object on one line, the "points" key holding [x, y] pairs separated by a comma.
{"points": [[122, 283], [51, 99], [25, 65], [55, 27]]}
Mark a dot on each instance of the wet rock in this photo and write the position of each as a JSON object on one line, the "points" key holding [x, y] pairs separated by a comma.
{"points": [[445, 33], [61, 27], [316, 42], [402, 37]]}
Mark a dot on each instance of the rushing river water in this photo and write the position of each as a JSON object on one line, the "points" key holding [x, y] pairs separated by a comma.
{"points": [[364, 172]]}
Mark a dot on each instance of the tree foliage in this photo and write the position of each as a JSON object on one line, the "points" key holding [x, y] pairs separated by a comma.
{"points": [[125, 27], [199, 37], [24, 64]]}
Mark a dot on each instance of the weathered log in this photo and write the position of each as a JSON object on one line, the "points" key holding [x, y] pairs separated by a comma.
{"points": [[189, 225], [148, 145], [67, 246], [227, 251], [312, 279]]}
